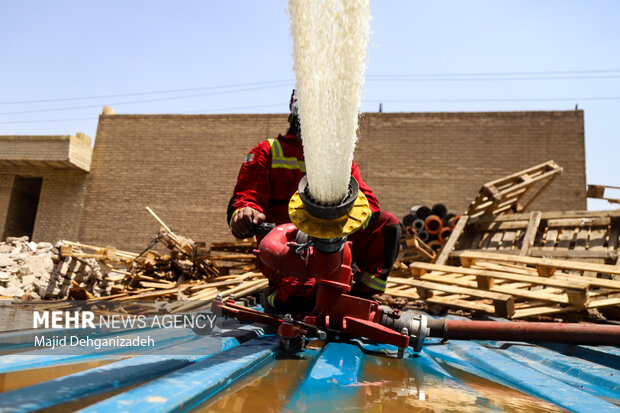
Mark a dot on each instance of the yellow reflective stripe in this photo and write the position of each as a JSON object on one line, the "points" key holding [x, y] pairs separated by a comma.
{"points": [[365, 224], [285, 162], [290, 163], [271, 298], [277, 148], [373, 282]]}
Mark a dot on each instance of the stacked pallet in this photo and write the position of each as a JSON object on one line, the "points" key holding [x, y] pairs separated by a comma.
{"points": [[509, 285], [519, 265], [585, 235]]}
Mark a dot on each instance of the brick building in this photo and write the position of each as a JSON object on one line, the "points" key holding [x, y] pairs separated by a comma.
{"points": [[184, 167]]}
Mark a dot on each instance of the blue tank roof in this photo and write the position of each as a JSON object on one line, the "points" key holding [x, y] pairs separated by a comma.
{"points": [[249, 370]]}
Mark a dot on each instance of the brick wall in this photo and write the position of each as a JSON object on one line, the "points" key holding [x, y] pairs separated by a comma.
{"points": [[6, 187], [424, 158], [34, 147], [60, 203], [185, 166]]}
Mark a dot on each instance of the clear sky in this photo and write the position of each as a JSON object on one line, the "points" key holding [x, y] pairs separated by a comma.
{"points": [[62, 61]]}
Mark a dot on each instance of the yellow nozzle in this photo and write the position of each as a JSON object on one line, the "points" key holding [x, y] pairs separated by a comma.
{"points": [[329, 228]]}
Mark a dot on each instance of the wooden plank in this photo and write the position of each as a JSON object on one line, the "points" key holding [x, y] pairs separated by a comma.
{"points": [[418, 246], [598, 236], [579, 222], [581, 240], [486, 239], [592, 282], [564, 264], [574, 253], [545, 270], [551, 282], [540, 295], [148, 284], [150, 294], [540, 191], [243, 289], [451, 289], [451, 243], [530, 233], [503, 303], [449, 301], [550, 239], [508, 240], [580, 214], [529, 312], [503, 225], [546, 215], [614, 234], [495, 240], [565, 238], [471, 305], [608, 302]]}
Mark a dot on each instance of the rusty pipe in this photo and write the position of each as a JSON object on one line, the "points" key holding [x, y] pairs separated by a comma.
{"points": [[433, 224], [444, 234], [573, 333]]}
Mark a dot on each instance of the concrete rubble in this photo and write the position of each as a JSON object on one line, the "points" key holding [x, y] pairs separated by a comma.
{"points": [[30, 270]]}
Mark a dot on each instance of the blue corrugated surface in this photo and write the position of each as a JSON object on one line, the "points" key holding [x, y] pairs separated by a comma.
{"points": [[101, 379], [329, 384], [43, 358], [576, 378], [187, 387]]}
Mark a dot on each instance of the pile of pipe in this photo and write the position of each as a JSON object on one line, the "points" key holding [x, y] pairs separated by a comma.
{"points": [[431, 225]]}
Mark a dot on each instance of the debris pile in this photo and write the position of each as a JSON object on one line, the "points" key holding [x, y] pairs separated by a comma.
{"points": [[25, 267], [496, 261], [30, 270], [518, 265], [190, 272]]}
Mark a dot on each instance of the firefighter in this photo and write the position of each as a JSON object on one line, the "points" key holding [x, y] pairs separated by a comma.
{"points": [[268, 178]]}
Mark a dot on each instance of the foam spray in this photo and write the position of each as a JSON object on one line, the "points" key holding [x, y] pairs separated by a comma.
{"points": [[330, 38]]}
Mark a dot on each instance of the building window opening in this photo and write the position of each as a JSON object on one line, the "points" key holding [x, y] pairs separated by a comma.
{"points": [[23, 205]]}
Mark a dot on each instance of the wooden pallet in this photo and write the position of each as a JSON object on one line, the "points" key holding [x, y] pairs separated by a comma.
{"points": [[545, 266], [414, 249], [476, 285], [598, 192], [584, 235], [509, 193], [458, 296]]}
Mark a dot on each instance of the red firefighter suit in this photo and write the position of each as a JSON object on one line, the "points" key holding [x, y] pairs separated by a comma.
{"points": [[267, 180]]}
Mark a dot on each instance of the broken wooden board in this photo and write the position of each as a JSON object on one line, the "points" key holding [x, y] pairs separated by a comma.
{"points": [[509, 193], [546, 309], [414, 249], [598, 192], [452, 241], [503, 304], [539, 262], [574, 292]]}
